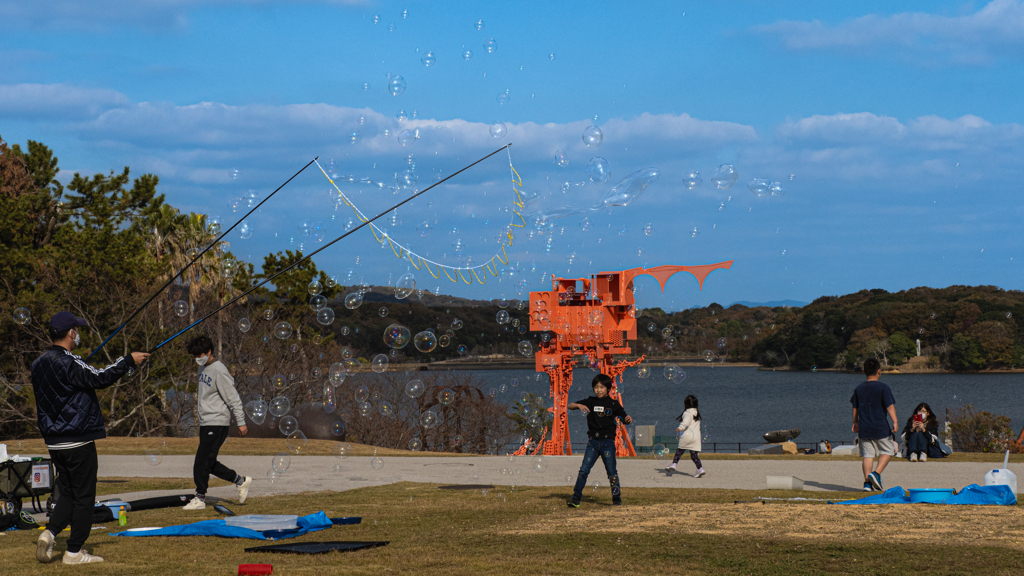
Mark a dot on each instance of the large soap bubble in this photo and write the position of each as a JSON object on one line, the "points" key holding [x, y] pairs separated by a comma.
{"points": [[325, 316], [456, 324], [725, 177], [181, 308], [525, 347], [446, 396], [643, 371], [498, 130], [297, 442], [630, 188], [244, 230], [280, 406], [336, 374], [281, 462], [380, 363], [353, 300], [405, 286], [257, 411], [376, 463], [154, 457], [760, 187], [502, 317], [414, 389], [314, 287], [592, 136], [396, 86], [777, 189], [282, 330], [288, 425], [425, 341], [317, 302], [428, 59], [598, 170], [428, 419], [692, 179], [490, 45], [397, 336], [22, 316]]}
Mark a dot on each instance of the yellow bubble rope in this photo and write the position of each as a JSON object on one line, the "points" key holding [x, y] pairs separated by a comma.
{"points": [[465, 273]]}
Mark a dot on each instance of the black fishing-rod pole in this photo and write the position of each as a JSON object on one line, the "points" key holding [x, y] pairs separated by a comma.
{"points": [[187, 266], [322, 248]]}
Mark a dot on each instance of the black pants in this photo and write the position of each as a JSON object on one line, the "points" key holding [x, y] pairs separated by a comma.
{"points": [[76, 482], [211, 438]]}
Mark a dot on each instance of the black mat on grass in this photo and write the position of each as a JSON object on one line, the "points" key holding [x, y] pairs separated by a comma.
{"points": [[316, 547], [466, 487]]}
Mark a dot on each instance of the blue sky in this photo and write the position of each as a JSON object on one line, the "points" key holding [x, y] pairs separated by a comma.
{"points": [[894, 126]]}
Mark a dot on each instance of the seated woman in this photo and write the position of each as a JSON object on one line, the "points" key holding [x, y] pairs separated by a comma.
{"points": [[921, 435]]}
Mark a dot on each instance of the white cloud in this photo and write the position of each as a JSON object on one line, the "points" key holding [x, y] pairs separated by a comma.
{"points": [[56, 101], [971, 39]]}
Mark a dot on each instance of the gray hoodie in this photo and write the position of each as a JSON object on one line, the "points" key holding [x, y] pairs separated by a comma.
{"points": [[218, 398]]}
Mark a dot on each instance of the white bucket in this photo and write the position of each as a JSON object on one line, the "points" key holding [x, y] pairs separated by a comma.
{"points": [[1002, 476]]}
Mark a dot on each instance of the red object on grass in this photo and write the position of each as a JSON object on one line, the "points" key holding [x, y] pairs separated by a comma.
{"points": [[255, 569]]}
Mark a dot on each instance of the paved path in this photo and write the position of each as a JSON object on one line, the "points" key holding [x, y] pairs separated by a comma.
{"points": [[318, 473]]}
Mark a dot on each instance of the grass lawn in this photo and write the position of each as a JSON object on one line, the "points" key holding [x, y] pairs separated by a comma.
{"points": [[531, 531]]}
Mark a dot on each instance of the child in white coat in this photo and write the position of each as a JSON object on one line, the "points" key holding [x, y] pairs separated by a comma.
{"points": [[689, 435]]}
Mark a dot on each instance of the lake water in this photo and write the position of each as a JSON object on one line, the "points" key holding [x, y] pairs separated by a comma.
{"points": [[741, 404]]}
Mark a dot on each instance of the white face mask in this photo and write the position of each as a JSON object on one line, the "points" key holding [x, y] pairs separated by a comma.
{"points": [[77, 339], [202, 360]]}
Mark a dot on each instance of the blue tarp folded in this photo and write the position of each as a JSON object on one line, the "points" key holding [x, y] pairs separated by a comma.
{"points": [[310, 523], [973, 494]]}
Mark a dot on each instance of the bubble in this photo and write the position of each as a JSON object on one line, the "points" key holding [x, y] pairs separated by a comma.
{"points": [[366, 86], [268, 314], [694, 233], [314, 287], [725, 177], [376, 462], [920, 330], [353, 300], [380, 363], [502, 97], [708, 355], [490, 45], [428, 419], [456, 324], [643, 371], [674, 373], [759, 187], [425, 341], [362, 393], [415, 444], [560, 159], [446, 396], [592, 136], [154, 457], [281, 462], [649, 230], [288, 425], [692, 179], [498, 130], [630, 188], [244, 230], [515, 382], [336, 374], [1009, 315], [502, 317], [337, 428], [280, 406], [462, 349], [598, 170], [397, 336], [502, 303], [525, 348], [777, 189], [297, 442], [933, 315], [405, 286], [325, 316], [345, 331], [317, 302], [257, 411], [467, 54], [551, 56], [415, 388], [181, 308], [721, 342], [396, 85], [539, 464], [383, 311], [386, 409], [406, 137], [271, 476], [479, 25], [670, 342], [428, 59], [282, 330]]}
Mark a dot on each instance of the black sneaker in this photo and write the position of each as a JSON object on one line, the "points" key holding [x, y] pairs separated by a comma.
{"points": [[616, 502], [573, 503], [876, 481]]}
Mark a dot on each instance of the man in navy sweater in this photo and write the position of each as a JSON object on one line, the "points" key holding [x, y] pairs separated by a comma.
{"points": [[70, 421]]}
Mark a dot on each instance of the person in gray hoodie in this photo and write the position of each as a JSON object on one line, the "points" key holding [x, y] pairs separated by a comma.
{"points": [[218, 400]]}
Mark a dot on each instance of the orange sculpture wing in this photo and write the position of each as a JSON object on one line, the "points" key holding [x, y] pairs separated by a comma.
{"points": [[663, 273]]}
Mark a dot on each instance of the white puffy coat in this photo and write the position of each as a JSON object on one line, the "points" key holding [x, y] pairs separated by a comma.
{"points": [[688, 441]]}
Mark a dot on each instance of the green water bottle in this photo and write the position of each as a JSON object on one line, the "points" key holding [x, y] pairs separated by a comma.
{"points": [[122, 518]]}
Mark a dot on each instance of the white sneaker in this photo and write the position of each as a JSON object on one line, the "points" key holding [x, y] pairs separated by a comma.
{"points": [[195, 504], [671, 466], [924, 457], [81, 557], [913, 456], [243, 490], [700, 472], [44, 547]]}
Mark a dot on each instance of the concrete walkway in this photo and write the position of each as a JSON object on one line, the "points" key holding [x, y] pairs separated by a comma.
{"points": [[319, 473]]}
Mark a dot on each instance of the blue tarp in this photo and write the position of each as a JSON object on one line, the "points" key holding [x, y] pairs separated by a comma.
{"points": [[973, 494], [310, 523]]}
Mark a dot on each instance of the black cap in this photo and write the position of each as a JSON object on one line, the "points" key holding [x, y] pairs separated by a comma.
{"points": [[62, 321]]}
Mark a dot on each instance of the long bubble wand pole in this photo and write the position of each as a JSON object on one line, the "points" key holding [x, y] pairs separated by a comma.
{"points": [[197, 257], [324, 247]]}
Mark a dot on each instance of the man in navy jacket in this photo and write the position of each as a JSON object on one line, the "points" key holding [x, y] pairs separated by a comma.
{"points": [[70, 421]]}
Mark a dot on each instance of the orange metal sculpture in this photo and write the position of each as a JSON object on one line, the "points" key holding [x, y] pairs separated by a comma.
{"points": [[592, 318]]}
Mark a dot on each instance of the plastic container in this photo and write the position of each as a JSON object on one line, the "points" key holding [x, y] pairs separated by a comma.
{"points": [[1001, 476], [929, 495], [262, 522], [785, 483]]}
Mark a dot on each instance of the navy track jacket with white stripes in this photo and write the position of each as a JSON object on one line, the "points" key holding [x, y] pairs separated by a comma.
{"points": [[65, 387]]}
